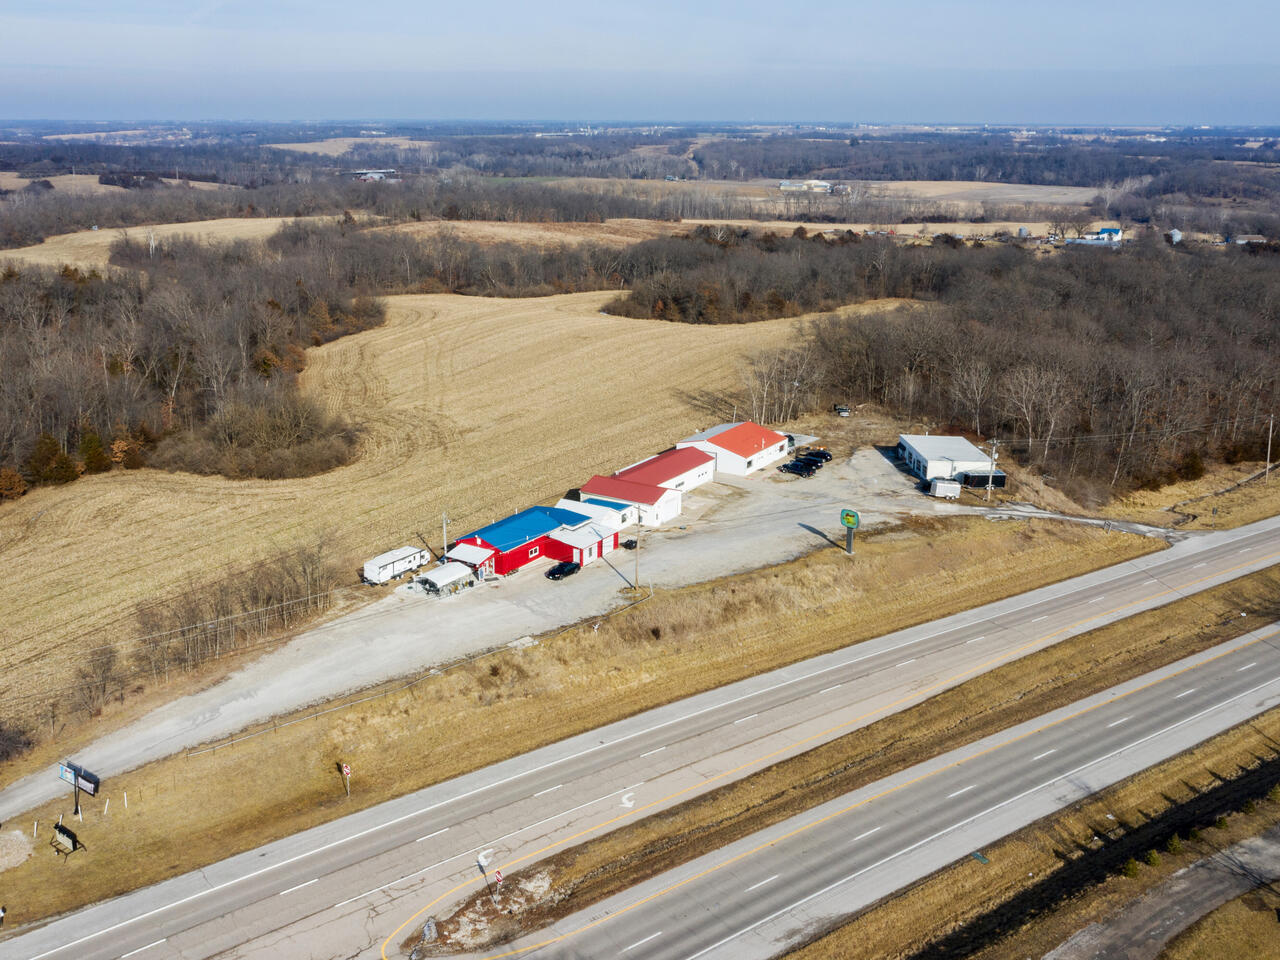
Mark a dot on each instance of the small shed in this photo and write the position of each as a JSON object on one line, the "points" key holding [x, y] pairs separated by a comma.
{"points": [[448, 575], [385, 567]]}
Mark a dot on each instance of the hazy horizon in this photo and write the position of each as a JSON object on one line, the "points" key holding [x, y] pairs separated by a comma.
{"points": [[1094, 63]]}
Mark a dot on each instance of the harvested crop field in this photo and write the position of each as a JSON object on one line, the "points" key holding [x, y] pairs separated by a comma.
{"points": [[614, 233], [82, 183], [337, 146], [90, 249], [446, 428], [966, 193]]}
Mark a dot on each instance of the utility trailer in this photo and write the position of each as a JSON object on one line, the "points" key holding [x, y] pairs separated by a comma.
{"points": [[385, 567], [946, 489]]}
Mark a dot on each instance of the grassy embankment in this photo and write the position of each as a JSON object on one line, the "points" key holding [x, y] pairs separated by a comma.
{"points": [[1011, 694], [678, 643], [1191, 504]]}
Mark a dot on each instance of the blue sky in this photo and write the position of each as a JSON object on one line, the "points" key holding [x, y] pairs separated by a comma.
{"points": [[1083, 61]]}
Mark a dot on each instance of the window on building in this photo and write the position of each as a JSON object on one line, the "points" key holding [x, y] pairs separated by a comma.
{"points": [[749, 463], [533, 551]]}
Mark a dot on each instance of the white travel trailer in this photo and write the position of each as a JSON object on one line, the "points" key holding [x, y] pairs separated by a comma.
{"points": [[387, 566]]}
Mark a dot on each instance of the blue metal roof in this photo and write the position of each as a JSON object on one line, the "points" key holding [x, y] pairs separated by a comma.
{"points": [[611, 504], [530, 524]]}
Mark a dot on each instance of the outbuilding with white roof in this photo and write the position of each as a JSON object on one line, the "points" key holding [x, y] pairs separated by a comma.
{"points": [[944, 458]]}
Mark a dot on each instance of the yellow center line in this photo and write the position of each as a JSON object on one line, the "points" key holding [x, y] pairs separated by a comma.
{"points": [[916, 696]]}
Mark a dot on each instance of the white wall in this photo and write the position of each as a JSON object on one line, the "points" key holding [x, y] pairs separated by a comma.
{"points": [[736, 466], [665, 510], [703, 473]]}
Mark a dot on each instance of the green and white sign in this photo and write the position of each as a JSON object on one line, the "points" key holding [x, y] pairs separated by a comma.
{"points": [[849, 518]]}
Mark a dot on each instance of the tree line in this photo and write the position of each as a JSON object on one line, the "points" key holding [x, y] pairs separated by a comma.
{"points": [[1101, 370], [27, 217]]}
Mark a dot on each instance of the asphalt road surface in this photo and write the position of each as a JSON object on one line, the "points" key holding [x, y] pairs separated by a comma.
{"points": [[766, 892], [336, 890]]}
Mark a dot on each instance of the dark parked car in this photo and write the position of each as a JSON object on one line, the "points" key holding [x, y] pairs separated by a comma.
{"points": [[628, 544], [565, 568], [816, 462], [823, 455], [798, 468]]}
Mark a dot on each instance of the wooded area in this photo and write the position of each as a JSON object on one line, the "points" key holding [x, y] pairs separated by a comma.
{"points": [[1106, 368]]}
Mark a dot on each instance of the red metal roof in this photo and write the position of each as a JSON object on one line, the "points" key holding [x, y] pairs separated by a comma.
{"points": [[627, 490], [665, 466], [746, 439]]}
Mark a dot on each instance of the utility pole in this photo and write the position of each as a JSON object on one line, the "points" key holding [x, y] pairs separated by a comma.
{"points": [[991, 474], [444, 534], [636, 580], [1271, 426]]}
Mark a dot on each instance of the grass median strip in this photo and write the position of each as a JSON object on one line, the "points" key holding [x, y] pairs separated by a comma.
{"points": [[184, 813], [1019, 691]]}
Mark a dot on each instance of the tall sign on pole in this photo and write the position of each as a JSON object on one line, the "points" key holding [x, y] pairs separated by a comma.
{"points": [[80, 779], [850, 520], [346, 777]]}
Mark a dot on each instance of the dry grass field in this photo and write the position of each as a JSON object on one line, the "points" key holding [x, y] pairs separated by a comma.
{"points": [[337, 146], [82, 183], [97, 135], [90, 249], [675, 644], [1221, 499], [475, 406]]}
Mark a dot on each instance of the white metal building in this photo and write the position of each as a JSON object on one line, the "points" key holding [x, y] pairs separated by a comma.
{"points": [[739, 448], [946, 458], [387, 566], [676, 469]]}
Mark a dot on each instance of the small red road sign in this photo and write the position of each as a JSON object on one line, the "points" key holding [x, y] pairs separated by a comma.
{"points": [[497, 875], [346, 769]]}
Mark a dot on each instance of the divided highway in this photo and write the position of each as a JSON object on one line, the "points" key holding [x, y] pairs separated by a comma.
{"points": [[757, 897], [339, 889]]}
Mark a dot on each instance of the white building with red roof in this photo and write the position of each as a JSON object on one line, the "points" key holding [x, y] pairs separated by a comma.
{"points": [[676, 469], [655, 504], [738, 448]]}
